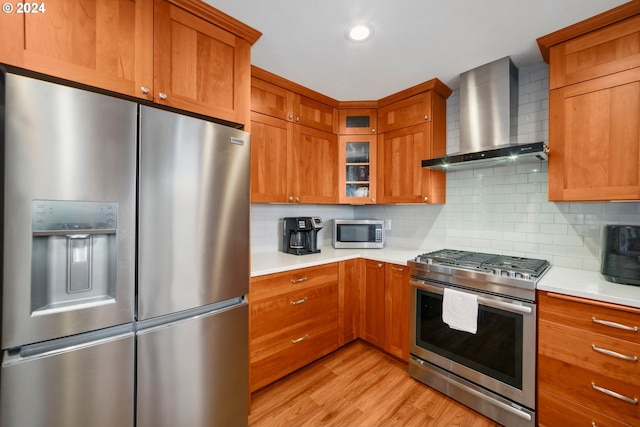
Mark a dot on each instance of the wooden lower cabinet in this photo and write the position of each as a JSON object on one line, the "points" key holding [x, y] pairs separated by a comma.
{"points": [[384, 307], [396, 310], [350, 274], [588, 370], [372, 303], [293, 321]]}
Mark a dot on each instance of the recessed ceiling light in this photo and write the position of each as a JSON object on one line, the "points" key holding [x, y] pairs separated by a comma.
{"points": [[359, 33]]}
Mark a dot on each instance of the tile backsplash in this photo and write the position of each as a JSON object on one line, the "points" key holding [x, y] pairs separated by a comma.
{"points": [[499, 210]]}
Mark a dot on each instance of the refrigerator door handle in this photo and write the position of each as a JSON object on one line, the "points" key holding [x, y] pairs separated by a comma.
{"points": [[49, 348]]}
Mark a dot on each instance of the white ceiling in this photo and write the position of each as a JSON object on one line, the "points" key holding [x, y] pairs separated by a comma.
{"points": [[414, 40]]}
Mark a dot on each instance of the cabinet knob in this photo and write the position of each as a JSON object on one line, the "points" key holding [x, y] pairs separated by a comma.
{"points": [[290, 116], [297, 199], [144, 90], [379, 264], [373, 200], [291, 198], [373, 130], [426, 117], [425, 199], [297, 118], [162, 96]]}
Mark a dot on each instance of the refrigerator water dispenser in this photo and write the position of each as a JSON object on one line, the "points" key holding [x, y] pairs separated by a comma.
{"points": [[73, 254]]}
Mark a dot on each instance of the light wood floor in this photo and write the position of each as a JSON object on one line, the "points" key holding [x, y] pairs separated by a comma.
{"points": [[357, 386]]}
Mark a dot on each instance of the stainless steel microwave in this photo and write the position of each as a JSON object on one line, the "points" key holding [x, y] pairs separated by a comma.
{"points": [[358, 234]]}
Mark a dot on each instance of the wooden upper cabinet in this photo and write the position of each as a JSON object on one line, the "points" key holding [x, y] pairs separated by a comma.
{"points": [[278, 97], [315, 114], [272, 100], [594, 134], [199, 66], [180, 53], [401, 177], [407, 112], [596, 47], [271, 159], [594, 107], [362, 121], [101, 43], [315, 166]]}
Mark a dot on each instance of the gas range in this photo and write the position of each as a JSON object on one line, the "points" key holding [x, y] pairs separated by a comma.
{"points": [[492, 273]]}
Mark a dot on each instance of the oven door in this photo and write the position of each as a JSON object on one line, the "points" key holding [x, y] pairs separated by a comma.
{"points": [[499, 357]]}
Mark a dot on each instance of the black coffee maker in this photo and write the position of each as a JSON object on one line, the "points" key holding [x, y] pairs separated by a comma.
{"points": [[300, 234]]}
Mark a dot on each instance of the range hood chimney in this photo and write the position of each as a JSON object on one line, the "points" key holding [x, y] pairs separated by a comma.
{"points": [[489, 121]]}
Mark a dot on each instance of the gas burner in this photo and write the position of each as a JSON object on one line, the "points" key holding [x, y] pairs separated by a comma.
{"points": [[527, 269]]}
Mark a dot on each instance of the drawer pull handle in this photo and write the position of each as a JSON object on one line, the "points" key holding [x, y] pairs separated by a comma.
{"points": [[303, 279], [614, 325], [633, 401], [614, 354], [297, 340], [300, 301]]}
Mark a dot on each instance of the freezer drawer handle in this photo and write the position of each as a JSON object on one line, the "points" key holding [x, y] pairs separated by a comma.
{"points": [[300, 301], [633, 401], [297, 340], [303, 279], [614, 354], [614, 325]]}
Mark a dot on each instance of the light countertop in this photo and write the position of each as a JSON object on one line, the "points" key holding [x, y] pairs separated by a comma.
{"points": [[276, 262], [589, 284], [567, 281]]}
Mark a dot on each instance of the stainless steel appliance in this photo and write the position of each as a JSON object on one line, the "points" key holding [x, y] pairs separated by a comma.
{"points": [[358, 233], [90, 337], [489, 122], [300, 235], [621, 254], [491, 370]]}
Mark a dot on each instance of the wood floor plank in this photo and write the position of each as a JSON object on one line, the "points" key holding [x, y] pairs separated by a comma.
{"points": [[357, 386]]}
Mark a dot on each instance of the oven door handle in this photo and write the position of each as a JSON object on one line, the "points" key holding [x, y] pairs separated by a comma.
{"points": [[514, 308], [505, 305]]}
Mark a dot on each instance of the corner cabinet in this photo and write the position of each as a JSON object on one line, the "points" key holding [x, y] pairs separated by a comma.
{"points": [[180, 53], [594, 107], [357, 153], [412, 127]]}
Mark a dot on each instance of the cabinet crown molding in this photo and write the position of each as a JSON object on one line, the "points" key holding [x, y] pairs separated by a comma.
{"points": [[596, 22]]}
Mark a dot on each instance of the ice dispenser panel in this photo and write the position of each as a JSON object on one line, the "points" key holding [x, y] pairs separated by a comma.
{"points": [[73, 255]]}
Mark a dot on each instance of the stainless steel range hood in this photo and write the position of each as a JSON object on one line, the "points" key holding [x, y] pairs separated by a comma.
{"points": [[489, 122]]}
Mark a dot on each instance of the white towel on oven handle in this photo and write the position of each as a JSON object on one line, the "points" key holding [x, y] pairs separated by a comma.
{"points": [[460, 310]]}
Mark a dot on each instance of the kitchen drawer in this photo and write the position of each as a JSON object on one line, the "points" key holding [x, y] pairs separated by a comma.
{"points": [[280, 312], [556, 411], [292, 281], [576, 383], [298, 348], [585, 314], [576, 347]]}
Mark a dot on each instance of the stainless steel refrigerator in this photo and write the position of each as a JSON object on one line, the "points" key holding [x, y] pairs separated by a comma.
{"points": [[125, 263]]}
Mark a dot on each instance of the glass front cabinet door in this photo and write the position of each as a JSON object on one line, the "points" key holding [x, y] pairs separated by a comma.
{"points": [[357, 169]]}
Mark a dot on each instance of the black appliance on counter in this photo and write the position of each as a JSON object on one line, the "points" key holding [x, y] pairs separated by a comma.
{"points": [[492, 368], [300, 234], [621, 254]]}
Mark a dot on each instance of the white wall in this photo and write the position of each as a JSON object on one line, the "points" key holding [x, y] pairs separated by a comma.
{"points": [[499, 210]]}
